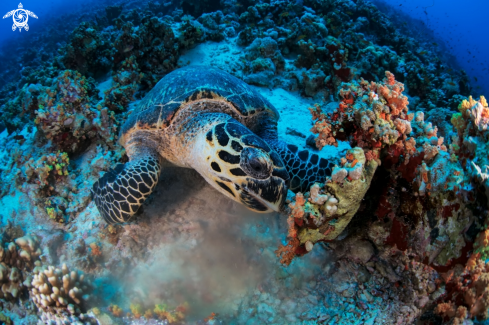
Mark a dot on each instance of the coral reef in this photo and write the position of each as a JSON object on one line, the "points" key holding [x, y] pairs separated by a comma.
{"points": [[467, 293], [424, 181], [65, 114], [403, 213]]}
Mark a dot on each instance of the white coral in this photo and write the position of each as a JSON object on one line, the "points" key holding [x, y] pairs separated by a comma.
{"points": [[54, 287], [339, 174]]}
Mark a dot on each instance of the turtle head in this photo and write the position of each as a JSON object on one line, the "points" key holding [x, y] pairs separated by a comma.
{"points": [[243, 167]]}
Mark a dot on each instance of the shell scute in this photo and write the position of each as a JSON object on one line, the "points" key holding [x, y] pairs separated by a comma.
{"points": [[193, 83]]}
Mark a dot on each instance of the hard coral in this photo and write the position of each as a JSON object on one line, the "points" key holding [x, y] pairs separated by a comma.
{"points": [[371, 116], [17, 261], [67, 116], [57, 289], [47, 167], [471, 143], [125, 84], [467, 293]]}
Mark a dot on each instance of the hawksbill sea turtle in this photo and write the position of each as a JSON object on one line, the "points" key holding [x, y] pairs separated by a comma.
{"points": [[203, 118], [20, 17]]}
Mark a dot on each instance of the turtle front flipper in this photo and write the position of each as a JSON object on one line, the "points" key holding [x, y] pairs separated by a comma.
{"points": [[121, 191]]}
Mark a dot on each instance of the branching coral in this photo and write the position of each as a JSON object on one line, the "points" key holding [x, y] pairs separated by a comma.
{"points": [[57, 289], [17, 260]]}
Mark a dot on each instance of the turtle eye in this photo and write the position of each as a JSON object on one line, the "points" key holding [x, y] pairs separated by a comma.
{"points": [[255, 163]]}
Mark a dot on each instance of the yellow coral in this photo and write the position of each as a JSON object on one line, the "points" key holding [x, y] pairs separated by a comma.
{"points": [[483, 101], [136, 310], [51, 213], [466, 104], [160, 310], [458, 121]]}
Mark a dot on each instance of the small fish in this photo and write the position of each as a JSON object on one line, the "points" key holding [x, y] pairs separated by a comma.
{"points": [[423, 52], [269, 16], [349, 13], [300, 37], [227, 22], [284, 14], [451, 83], [435, 44], [252, 25], [308, 20], [475, 78]]}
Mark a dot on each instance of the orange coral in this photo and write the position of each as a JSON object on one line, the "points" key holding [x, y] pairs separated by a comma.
{"points": [[136, 310], [148, 314], [287, 252], [95, 249], [324, 129], [116, 310], [392, 93], [210, 317], [298, 206], [472, 284]]}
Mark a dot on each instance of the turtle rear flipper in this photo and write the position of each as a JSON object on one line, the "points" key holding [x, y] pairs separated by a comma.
{"points": [[121, 191], [26, 27], [14, 27]]}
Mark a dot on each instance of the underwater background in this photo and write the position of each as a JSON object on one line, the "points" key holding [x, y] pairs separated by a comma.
{"points": [[390, 92]]}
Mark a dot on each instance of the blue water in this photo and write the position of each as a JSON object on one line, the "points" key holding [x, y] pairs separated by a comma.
{"points": [[462, 27]]}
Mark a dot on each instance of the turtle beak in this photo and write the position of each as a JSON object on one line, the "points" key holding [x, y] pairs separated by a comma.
{"points": [[266, 195]]}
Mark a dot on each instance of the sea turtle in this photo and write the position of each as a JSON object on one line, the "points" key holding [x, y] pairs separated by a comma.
{"points": [[204, 118], [20, 17]]}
